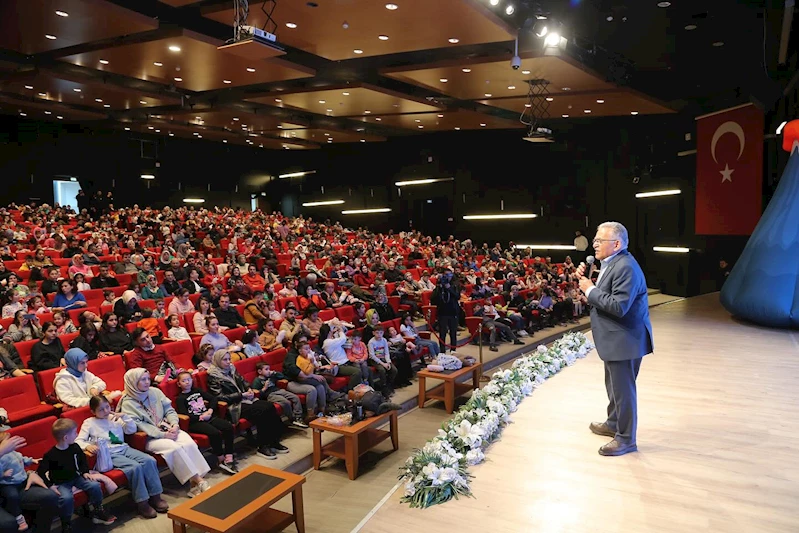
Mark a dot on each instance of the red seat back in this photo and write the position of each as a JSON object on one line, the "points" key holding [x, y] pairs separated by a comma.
{"points": [[275, 359], [346, 313], [38, 436], [234, 334], [24, 349], [281, 302], [246, 367], [188, 321], [75, 313], [327, 314], [19, 394], [79, 415], [109, 369], [45, 381], [181, 353]]}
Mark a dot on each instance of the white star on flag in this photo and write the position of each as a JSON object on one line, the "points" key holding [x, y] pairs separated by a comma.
{"points": [[726, 173]]}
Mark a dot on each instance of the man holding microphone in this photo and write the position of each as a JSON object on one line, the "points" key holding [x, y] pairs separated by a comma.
{"points": [[622, 332]]}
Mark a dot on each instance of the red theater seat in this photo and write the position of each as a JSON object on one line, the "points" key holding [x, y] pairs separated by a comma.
{"points": [[21, 400], [181, 353]]}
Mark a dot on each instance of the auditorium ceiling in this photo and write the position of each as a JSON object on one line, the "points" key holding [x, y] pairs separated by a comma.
{"points": [[341, 71]]}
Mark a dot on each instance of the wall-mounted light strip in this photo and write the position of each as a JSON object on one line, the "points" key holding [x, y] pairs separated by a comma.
{"points": [[193, 200], [671, 249], [327, 202], [421, 182], [668, 192], [366, 211], [297, 174], [147, 177], [547, 246], [499, 216]]}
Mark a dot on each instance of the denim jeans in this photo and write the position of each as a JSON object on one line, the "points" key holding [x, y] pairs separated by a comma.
{"points": [[43, 503], [141, 470], [66, 502], [432, 346]]}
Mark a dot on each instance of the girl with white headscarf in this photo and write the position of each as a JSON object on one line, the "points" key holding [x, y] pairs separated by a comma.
{"points": [[154, 415], [74, 385]]}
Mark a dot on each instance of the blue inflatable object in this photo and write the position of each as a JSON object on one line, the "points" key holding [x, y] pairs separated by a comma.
{"points": [[763, 287]]}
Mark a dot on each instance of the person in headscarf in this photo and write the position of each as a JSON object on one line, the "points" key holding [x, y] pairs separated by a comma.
{"points": [[229, 386], [153, 414], [126, 308], [372, 319], [74, 385]]}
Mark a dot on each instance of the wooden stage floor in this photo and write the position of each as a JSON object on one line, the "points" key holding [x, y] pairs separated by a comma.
{"points": [[718, 443]]}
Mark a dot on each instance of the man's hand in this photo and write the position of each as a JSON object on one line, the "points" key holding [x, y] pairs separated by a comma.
{"points": [[12, 444], [35, 479], [585, 283], [581, 270]]}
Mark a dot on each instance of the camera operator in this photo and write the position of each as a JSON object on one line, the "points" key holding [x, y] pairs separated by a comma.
{"points": [[446, 298]]}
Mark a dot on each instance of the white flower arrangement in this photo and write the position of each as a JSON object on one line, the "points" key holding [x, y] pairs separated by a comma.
{"points": [[438, 472]]}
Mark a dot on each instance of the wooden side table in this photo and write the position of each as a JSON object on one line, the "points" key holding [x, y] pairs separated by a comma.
{"points": [[451, 388], [356, 440], [242, 503]]}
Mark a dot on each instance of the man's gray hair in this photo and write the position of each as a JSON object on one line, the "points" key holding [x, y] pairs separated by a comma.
{"points": [[617, 231]]}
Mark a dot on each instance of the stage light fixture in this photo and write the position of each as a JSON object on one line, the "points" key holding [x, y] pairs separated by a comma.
{"points": [[652, 194], [540, 29], [671, 249], [366, 211], [494, 2], [510, 9], [297, 174], [325, 202], [552, 39], [502, 216]]}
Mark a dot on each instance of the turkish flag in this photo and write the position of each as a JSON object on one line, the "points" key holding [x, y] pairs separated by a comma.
{"points": [[729, 171]]}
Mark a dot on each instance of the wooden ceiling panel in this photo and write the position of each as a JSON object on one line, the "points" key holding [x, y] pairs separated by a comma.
{"points": [[444, 121], [329, 136], [37, 110], [24, 23], [599, 103], [194, 59], [188, 131], [235, 121], [414, 25], [348, 101], [470, 81], [47, 89]]}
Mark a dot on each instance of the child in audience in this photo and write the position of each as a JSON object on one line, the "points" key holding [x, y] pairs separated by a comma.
{"points": [[14, 304], [63, 324], [380, 357], [199, 406], [150, 325], [108, 299], [12, 482], [252, 348], [65, 467], [401, 351], [204, 358], [176, 332], [36, 305], [358, 355], [271, 310], [270, 339], [160, 309], [141, 469], [266, 383]]}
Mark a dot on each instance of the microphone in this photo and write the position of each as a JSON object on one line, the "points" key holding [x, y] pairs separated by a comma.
{"points": [[590, 260]]}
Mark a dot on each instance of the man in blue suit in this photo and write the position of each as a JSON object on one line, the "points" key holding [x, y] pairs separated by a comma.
{"points": [[622, 332]]}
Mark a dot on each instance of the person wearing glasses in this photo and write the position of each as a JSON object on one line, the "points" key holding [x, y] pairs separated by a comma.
{"points": [[622, 333]]}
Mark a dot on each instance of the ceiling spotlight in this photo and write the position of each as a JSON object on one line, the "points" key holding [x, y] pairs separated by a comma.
{"points": [[363, 140], [158, 64], [327, 135], [51, 37], [367, 112], [278, 100], [103, 61], [150, 127], [224, 140], [345, 93], [174, 48], [29, 87], [511, 87], [178, 79], [59, 117], [525, 72], [62, 13], [549, 98], [420, 127], [77, 90], [664, 4], [493, 2], [357, 51], [383, 37], [171, 134], [45, 94], [392, 7], [329, 110], [609, 18], [440, 116], [378, 119], [417, 120], [236, 119], [690, 27], [466, 70], [586, 111], [250, 69], [633, 112], [566, 89], [23, 114], [106, 105], [600, 101], [528, 105], [540, 29], [718, 44], [158, 131], [510, 10], [127, 129], [143, 102], [226, 81], [457, 129], [291, 25], [443, 80], [321, 101], [454, 41], [553, 39], [488, 95], [482, 125]]}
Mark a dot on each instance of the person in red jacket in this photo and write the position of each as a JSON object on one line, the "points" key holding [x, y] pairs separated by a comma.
{"points": [[254, 280], [151, 357], [364, 278]]}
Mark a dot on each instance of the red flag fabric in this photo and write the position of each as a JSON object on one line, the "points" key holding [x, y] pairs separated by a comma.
{"points": [[729, 171]]}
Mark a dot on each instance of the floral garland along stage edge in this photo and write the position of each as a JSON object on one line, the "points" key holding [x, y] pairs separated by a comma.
{"points": [[438, 472]]}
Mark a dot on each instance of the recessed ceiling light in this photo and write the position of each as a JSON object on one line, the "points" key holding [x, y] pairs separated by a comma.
{"points": [[511, 87], [158, 64], [178, 79], [329, 110], [23, 114], [103, 61], [443, 80], [321, 101], [528, 105], [488, 95], [391, 7], [567, 89], [236, 119], [106, 105], [199, 136], [600, 101], [690, 27], [327, 135], [198, 118], [493, 2], [664, 4], [51, 37], [250, 69], [586, 110], [466, 70], [29, 87], [383, 37], [345, 93], [171, 134], [48, 112], [378, 119], [174, 48], [417, 120], [454, 40], [363, 140], [367, 112], [42, 94], [158, 131], [565, 116], [549, 98], [226, 81], [77, 90], [291, 25], [633, 112], [482, 125], [224, 140], [278, 100], [609, 18], [127, 129], [62, 13], [143, 102], [440, 116], [59, 117], [420, 127], [510, 10], [525, 72], [718, 43], [150, 127], [358, 51]]}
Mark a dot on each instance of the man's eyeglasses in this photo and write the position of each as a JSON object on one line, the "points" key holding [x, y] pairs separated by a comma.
{"points": [[604, 240]]}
